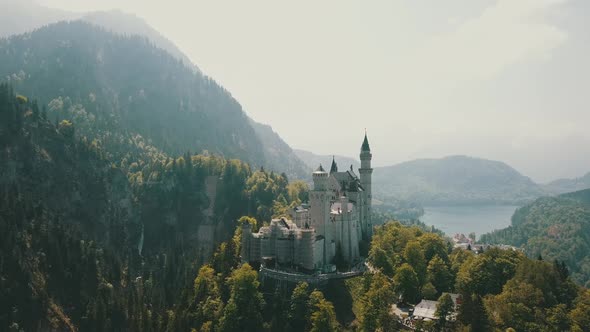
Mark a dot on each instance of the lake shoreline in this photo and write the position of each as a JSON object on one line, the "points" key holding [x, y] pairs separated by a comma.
{"points": [[457, 219]]}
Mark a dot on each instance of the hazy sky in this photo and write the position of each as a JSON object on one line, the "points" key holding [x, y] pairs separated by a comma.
{"points": [[499, 79]]}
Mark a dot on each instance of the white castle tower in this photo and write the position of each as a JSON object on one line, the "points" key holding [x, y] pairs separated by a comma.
{"points": [[365, 174], [320, 199]]}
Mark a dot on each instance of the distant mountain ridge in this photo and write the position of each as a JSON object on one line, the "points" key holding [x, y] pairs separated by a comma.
{"points": [[568, 185], [313, 160], [455, 180]]}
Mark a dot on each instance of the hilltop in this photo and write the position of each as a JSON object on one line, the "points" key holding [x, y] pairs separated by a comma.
{"points": [[568, 185], [455, 180]]}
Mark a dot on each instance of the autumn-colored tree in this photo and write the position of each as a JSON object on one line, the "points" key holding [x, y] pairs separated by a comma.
{"points": [[323, 316], [243, 311]]}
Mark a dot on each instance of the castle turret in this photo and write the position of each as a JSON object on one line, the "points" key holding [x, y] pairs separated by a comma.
{"points": [[320, 179], [365, 174], [320, 210]]}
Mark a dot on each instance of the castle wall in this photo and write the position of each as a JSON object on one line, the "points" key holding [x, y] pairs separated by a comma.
{"points": [[305, 250]]}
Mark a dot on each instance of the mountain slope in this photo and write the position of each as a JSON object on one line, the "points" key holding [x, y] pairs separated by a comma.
{"points": [[555, 228], [568, 185], [278, 153], [104, 82], [21, 16], [454, 180], [312, 160], [126, 24]]}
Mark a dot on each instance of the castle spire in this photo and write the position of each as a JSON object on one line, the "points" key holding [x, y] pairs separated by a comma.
{"points": [[365, 146], [334, 167]]}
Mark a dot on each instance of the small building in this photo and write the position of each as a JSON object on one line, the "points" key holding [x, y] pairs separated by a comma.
{"points": [[425, 310]]}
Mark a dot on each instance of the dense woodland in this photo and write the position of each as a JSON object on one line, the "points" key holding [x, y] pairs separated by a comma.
{"points": [[553, 228], [72, 221]]}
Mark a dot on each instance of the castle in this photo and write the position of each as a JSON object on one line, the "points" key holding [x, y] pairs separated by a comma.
{"points": [[330, 227]]}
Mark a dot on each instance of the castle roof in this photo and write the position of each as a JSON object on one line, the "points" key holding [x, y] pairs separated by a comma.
{"points": [[334, 167], [365, 146], [347, 180], [320, 169]]}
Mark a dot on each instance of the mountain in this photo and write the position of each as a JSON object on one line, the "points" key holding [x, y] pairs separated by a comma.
{"points": [[555, 228], [313, 160], [446, 181], [127, 24], [279, 154], [454, 180], [568, 185], [115, 84], [18, 17]]}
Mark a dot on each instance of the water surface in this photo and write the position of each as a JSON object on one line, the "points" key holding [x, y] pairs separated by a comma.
{"points": [[480, 219]]}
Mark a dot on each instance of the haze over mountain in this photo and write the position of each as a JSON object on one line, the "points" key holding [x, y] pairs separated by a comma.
{"points": [[18, 17], [568, 185], [278, 154], [500, 79], [449, 180], [92, 77], [312, 160], [455, 180]]}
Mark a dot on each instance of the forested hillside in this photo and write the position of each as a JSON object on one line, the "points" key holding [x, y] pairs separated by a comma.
{"points": [[118, 89], [454, 180], [88, 244], [553, 228]]}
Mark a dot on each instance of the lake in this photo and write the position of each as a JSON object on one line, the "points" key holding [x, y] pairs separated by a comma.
{"points": [[480, 219]]}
